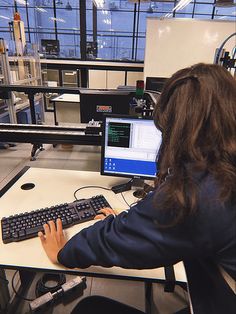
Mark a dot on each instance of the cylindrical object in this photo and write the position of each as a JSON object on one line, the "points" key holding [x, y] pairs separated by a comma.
{"points": [[139, 88]]}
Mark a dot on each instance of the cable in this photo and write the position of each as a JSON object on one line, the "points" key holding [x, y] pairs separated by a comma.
{"points": [[2, 278], [14, 290], [125, 199], [88, 187], [44, 284], [217, 57]]}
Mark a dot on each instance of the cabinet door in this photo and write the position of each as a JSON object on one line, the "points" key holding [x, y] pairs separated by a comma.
{"points": [[115, 78], [97, 79], [132, 77], [69, 78]]}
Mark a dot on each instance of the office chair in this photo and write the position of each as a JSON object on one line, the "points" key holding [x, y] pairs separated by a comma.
{"points": [[99, 304]]}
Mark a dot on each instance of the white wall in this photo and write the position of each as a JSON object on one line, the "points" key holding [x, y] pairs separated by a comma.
{"points": [[172, 44]]}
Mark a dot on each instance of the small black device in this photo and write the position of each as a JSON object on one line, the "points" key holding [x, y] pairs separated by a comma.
{"points": [[155, 83], [50, 47], [27, 225], [95, 103]]}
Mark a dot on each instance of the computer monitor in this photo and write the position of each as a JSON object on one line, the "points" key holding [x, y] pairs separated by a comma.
{"points": [[95, 103], [155, 83], [51, 47], [130, 147]]}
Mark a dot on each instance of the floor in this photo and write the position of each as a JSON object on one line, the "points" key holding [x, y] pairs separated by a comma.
{"points": [[80, 158]]}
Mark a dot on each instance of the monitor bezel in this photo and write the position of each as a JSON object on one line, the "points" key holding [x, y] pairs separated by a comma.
{"points": [[103, 147]]}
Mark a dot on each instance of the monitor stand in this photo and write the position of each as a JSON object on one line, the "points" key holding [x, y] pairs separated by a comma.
{"points": [[141, 188]]}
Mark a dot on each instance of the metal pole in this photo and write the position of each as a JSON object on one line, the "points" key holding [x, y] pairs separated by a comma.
{"points": [[7, 80]]}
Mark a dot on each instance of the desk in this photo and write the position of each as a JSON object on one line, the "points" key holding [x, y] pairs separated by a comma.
{"points": [[66, 108], [53, 186]]}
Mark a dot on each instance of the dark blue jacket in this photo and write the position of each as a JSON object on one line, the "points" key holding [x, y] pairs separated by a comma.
{"points": [[134, 239]]}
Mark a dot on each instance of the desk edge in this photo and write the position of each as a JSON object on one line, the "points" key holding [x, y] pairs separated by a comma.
{"points": [[13, 180]]}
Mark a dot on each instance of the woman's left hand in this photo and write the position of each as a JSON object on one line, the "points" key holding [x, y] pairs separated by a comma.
{"points": [[53, 239]]}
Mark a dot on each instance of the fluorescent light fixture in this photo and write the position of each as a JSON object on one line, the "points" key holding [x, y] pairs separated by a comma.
{"points": [[99, 3], [57, 19], [40, 9], [181, 4], [107, 21], [23, 2], [168, 15], [4, 17]]}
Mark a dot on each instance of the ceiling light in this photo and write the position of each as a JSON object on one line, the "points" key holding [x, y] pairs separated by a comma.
{"points": [[99, 3], [23, 2], [4, 17], [40, 9], [181, 4], [57, 19]]}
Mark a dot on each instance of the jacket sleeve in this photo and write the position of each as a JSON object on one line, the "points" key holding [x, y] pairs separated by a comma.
{"points": [[133, 239]]}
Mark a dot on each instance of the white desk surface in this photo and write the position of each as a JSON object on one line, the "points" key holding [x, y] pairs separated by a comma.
{"points": [[67, 98], [53, 186]]}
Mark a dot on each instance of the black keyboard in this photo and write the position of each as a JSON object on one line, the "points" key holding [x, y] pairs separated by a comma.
{"points": [[27, 225]]}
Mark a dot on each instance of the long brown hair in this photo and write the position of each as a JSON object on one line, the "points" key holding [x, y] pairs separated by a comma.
{"points": [[196, 113]]}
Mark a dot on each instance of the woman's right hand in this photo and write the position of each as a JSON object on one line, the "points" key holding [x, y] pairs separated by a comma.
{"points": [[104, 213]]}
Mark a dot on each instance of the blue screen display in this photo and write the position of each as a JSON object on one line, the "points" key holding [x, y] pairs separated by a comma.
{"points": [[134, 167], [131, 147]]}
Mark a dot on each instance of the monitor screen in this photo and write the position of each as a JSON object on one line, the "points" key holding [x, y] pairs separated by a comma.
{"points": [[155, 83], [50, 47], [94, 103], [130, 147]]}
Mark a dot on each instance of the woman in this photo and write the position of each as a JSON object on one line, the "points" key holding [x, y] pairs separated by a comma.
{"points": [[191, 215]]}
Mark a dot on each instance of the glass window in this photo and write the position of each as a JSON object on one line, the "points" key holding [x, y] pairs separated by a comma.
{"points": [[201, 8], [115, 29], [225, 11], [67, 19], [183, 15], [202, 16], [186, 10], [115, 20], [6, 15], [140, 49], [206, 1], [45, 20], [69, 45]]}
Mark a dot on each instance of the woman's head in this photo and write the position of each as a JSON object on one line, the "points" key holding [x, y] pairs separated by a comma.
{"points": [[197, 116]]}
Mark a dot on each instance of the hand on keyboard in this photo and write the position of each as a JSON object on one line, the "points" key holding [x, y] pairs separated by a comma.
{"points": [[104, 212], [53, 239], [26, 225]]}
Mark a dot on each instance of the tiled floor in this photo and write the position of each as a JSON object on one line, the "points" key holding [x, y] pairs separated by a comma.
{"points": [[84, 158]]}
